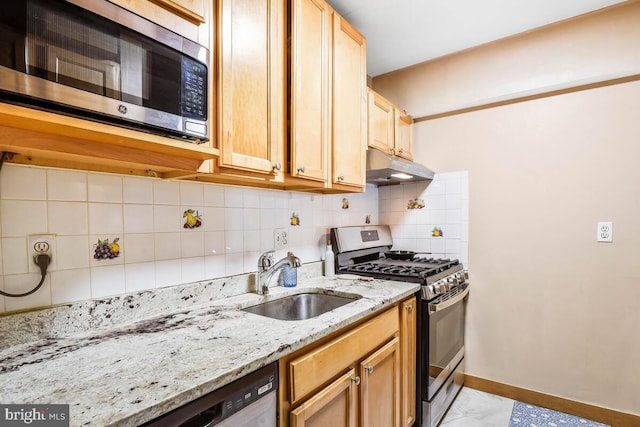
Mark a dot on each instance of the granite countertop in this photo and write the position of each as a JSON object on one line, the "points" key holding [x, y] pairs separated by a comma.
{"points": [[131, 373]]}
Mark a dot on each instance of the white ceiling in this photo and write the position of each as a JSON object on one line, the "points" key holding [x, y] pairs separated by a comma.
{"points": [[405, 32]]}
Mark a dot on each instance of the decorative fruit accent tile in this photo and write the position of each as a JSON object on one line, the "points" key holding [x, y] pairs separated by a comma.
{"points": [[105, 250], [295, 219], [437, 232], [345, 203], [415, 204], [193, 219]]}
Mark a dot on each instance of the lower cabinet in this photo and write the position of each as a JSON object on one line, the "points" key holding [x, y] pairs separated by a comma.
{"points": [[354, 378]]}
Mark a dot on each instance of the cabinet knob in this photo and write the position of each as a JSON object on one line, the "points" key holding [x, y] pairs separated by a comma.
{"points": [[340, 177], [409, 308], [400, 151], [356, 380], [277, 166], [301, 169], [369, 369]]}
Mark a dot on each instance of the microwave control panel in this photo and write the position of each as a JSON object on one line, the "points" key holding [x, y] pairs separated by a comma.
{"points": [[194, 89]]}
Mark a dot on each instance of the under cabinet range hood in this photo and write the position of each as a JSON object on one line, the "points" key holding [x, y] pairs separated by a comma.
{"points": [[383, 169]]}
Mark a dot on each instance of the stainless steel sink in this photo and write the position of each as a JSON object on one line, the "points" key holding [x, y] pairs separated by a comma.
{"points": [[301, 306]]}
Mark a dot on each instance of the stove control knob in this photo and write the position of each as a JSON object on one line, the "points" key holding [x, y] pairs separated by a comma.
{"points": [[433, 289], [443, 287]]}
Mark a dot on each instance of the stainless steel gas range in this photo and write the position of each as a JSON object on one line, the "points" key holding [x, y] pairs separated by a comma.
{"points": [[366, 250]]}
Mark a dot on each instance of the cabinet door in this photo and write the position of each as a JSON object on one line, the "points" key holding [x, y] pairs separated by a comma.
{"points": [[408, 318], [192, 10], [403, 144], [380, 393], [310, 94], [251, 84], [333, 406], [349, 104], [381, 118]]}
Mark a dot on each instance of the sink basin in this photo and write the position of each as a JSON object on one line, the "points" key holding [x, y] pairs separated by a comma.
{"points": [[301, 306]]}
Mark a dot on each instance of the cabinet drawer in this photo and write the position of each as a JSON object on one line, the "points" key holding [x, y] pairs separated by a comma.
{"points": [[315, 368]]}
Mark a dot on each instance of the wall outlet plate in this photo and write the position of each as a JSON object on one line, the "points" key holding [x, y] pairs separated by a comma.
{"points": [[280, 238], [604, 232], [39, 244]]}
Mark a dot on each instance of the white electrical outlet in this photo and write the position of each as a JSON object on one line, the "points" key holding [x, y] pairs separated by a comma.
{"points": [[604, 232], [280, 238], [41, 244]]}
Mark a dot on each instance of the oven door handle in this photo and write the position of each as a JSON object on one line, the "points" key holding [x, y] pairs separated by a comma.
{"points": [[434, 308]]}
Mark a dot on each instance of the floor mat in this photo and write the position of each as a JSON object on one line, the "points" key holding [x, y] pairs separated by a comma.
{"points": [[525, 415]]}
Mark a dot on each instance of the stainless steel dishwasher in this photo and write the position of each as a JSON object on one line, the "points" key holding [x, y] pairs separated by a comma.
{"points": [[250, 401]]}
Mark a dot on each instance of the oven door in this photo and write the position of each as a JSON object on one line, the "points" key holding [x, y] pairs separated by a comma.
{"points": [[443, 328]]}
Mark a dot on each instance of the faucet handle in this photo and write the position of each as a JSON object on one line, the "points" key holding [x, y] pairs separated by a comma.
{"points": [[266, 260]]}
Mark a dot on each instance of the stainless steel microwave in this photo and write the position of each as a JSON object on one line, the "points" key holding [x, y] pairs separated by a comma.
{"points": [[96, 60]]}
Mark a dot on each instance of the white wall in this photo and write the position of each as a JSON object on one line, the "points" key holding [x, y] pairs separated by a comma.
{"points": [[146, 214]]}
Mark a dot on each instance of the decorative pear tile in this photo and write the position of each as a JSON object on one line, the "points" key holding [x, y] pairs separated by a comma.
{"points": [[193, 219]]}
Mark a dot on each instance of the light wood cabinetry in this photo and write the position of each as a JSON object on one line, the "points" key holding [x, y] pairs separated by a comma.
{"points": [[47, 139], [328, 98], [349, 105], [192, 10], [408, 325], [250, 87], [354, 377], [380, 386], [334, 406], [310, 90], [389, 127], [403, 127]]}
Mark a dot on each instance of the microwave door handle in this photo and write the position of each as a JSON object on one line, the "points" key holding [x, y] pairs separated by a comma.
{"points": [[434, 308]]}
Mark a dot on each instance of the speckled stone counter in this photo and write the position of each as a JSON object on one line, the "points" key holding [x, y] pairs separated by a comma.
{"points": [[129, 373]]}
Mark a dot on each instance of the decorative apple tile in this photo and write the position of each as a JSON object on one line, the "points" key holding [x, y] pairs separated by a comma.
{"points": [[295, 219], [345, 203], [437, 232], [106, 250], [415, 204], [193, 219]]}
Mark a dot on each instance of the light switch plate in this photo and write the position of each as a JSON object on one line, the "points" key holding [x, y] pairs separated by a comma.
{"points": [[604, 232]]}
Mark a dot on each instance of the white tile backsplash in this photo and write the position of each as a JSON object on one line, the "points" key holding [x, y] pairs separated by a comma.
{"points": [[82, 207], [66, 185], [166, 193], [24, 184], [14, 255], [137, 190], [22, 217], [104, 188], [446, 201], [20, 283], [73, 252], [68, 218], [107, 280], [138, 218]]}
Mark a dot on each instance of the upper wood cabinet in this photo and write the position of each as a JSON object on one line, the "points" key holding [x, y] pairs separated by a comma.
{"points": [[381, 119], [192, 10], [251, 75], [349, 104], [328, 98], [389, 127], [311, 22], [403, 127]]}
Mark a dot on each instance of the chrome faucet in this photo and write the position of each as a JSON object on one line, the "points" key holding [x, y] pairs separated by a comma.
{"points": [[266, 269]]}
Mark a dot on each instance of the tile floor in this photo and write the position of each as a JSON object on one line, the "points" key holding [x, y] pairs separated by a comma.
{"points": [[474, 408]]}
